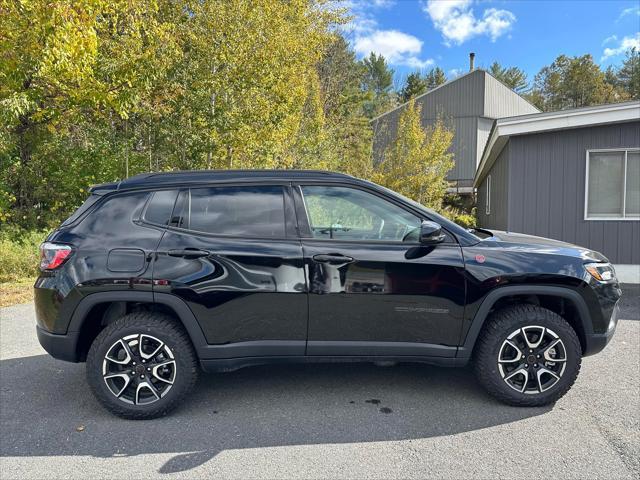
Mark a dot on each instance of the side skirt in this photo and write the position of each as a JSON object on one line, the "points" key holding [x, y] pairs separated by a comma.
{"points": [[231, 364]]}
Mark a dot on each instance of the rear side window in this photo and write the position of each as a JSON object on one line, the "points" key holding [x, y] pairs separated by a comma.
{"points": [[160, 207], [251, 211], [88, 203]]}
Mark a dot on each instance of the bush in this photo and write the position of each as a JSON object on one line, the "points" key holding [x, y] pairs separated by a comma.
{"points": [[466, 220], [19, 254]]}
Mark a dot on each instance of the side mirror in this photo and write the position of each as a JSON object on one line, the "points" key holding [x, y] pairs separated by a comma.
{"points": [[431, 233]]}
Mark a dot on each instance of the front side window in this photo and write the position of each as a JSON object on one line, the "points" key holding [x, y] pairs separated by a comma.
{"points": [[613, 184], [247, 211], [343, 213]]}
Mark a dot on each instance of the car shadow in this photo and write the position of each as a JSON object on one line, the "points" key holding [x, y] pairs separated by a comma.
{"points": [[47, 410]]}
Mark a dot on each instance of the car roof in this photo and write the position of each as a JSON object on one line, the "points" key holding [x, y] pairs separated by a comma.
{"points": [[163, 179]]}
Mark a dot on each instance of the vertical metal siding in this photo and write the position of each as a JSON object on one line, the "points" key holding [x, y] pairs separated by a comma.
{"points": [[500, 101], [547, 181], [468, 104], [500, 205]]}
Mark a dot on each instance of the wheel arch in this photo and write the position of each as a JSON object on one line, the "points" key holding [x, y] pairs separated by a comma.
{"points": [[97, 310], [566, 302]]}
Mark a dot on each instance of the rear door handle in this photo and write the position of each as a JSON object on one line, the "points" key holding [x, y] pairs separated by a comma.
{"points": [[332, 259], [188, 253]]}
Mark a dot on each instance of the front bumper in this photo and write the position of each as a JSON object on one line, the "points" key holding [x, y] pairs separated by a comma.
{"points": [[595, 342], [62, 347]]}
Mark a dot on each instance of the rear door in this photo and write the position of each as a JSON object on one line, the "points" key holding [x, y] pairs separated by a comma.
{"points": [[373, 289], [231, 253]]}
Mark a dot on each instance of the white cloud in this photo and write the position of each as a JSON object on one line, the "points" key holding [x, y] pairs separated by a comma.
{"points": [[625, 44], [398, 48], [629, 11], [612, 38], [458, 23]]}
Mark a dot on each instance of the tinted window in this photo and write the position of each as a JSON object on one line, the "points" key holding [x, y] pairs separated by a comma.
{"points": [[344, 213], [160, 207], [240, 211]]}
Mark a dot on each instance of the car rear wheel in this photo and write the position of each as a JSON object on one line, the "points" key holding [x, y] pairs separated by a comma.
{"points": [[527, 356], [142, 365]]}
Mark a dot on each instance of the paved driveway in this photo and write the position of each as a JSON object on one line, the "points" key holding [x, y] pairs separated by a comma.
{"points": [[339, 421]]}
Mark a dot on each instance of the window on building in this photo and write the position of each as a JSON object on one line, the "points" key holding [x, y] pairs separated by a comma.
{"points": [[613, 184], [487, 203]]}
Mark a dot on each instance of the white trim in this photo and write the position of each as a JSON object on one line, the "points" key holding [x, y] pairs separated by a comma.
{"points": [[504, 128], [628, 273], [624, 216]]}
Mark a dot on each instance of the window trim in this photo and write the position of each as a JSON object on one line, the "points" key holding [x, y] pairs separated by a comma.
{"points": [[487, 200], [451, 238], [622, 218]]}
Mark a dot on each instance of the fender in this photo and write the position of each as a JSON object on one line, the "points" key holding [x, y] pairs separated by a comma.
{"points": [[184, 313], [483, 312]]}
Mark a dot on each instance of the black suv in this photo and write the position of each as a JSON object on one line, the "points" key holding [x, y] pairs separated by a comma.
{"points": [[160, 275]]}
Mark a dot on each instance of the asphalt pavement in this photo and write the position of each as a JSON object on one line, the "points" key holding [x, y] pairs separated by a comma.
{"points": [[320, 421]]}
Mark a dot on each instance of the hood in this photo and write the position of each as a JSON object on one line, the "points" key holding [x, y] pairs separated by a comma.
{"points": [[521, 241]]}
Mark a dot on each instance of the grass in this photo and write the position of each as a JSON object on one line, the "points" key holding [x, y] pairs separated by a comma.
{"points": [[19, 258], [16, 292]]}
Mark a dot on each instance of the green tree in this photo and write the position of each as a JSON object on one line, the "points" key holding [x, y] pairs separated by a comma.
{"points": [[571, 82], [414, 85], [377, 83], [629, 74], [435, 77], [512, 77], [93, 90], [416, 164]]}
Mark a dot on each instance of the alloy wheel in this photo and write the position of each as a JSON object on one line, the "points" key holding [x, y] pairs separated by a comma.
{"points": [[532, 359], [139, 369]]}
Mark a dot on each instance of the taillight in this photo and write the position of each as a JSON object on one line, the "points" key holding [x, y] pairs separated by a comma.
{"points": [[52, 255]]}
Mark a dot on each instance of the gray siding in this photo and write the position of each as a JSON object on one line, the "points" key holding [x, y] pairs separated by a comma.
{"points": [[500, 101], [499, 211], [547, 189], [468, 104], [484, 130], [463, 146]]}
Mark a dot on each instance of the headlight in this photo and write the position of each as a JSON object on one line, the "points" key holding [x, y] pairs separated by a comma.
{"points": [[603, 272]]}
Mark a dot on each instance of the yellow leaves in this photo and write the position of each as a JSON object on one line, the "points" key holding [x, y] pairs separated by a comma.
{"points": [[417, 162]]}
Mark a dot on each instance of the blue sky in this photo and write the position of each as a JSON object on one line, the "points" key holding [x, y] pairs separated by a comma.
{"points": [[421, 34]]}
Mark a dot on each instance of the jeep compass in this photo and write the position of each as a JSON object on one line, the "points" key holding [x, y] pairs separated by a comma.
{"points": [[162, 275]]}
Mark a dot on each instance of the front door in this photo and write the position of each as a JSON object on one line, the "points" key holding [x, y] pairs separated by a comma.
{"points": [[373, 289], [230, 254]]}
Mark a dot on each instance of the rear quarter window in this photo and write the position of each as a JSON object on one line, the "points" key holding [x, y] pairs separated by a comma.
{"points": [[160, 206], [86, 206]]}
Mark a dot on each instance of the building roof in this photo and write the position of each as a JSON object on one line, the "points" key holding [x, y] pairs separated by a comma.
{"points": [[499, 93], [505, 128], [160, 179]]}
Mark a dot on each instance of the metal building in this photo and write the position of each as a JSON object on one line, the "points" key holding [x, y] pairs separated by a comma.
{"points": [[572, 175], [469, 104]]}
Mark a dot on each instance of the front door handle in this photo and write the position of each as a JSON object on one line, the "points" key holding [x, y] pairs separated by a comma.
{"points": [[188, 253], [333, 259]]}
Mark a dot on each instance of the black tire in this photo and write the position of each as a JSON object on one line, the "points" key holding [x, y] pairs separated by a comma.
{"points": [[498, 328], [158, 326]]}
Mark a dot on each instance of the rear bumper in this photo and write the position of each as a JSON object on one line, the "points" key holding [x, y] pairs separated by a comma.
{"points": [[595, 342], [62, 347]]}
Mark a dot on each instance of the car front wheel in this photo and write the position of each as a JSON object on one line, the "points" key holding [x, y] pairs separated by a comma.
{"points": [[527, 356], [142, 365]]}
